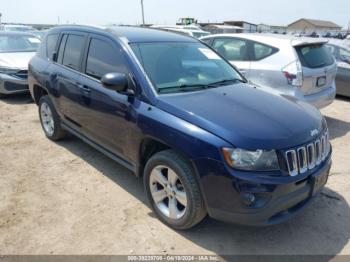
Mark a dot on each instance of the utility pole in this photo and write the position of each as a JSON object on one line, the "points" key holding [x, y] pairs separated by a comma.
{"points": [[0, 17], [143, 13]]}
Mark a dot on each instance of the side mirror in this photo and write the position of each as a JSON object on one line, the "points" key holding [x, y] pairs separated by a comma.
{"points": [[115, 81]]}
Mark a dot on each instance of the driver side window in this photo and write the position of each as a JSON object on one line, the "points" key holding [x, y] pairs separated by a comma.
{"points": [[104, 58]]}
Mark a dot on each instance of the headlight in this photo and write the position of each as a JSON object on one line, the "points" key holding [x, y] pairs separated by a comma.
{"points": [[259, 160]]}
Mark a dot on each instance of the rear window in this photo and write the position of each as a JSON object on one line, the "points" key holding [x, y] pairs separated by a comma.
{"points": [[315, 56]]}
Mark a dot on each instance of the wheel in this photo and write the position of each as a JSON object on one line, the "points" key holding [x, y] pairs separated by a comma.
{"points": [[50, 120], [2, 96], [173, 191]]}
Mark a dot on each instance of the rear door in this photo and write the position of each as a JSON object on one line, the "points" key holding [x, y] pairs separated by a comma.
{"points": [[236, 51], [65, 74], [318, 66]]}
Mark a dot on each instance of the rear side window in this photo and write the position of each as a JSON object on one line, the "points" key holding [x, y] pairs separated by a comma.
{"points": [[103, 58], [72, 52], [262, 51], [61, 49], [315, 56], [51, 42], [232, 49]]}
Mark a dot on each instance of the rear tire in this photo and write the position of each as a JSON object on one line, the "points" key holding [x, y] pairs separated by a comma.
{"points": [[173, 191], [49, 119]]}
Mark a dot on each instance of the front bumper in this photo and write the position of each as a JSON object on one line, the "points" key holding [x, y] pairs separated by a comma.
{"points": [[277, 199], [12, 85]]}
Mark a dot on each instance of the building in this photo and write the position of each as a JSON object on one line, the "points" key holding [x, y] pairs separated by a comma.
{"points": [[278, 29], [220, 28], [310, 25], [263, 28], [247, 27]]}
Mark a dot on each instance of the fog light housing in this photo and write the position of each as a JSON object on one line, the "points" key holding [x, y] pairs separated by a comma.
{"points": [[247, 199]]}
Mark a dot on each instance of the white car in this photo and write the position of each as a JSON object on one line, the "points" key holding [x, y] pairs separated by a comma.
{"points": [[16, 49], [299, 67], [17, 28]]}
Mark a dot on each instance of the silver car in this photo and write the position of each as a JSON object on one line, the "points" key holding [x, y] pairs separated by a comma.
{"points": [[342, 54], [16, 49], [286, 65]]}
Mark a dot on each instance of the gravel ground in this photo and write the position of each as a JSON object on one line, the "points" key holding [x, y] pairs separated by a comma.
{"points": [[67, 198]]}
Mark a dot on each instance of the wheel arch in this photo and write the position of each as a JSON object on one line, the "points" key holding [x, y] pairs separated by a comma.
{"points": [[38, 92]]}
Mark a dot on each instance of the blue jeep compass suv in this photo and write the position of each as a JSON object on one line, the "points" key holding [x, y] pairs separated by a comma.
{"points": [[176, 113]]}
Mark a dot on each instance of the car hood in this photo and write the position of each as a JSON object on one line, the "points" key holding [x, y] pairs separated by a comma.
{"points": [[18, 60], [246, 117]]}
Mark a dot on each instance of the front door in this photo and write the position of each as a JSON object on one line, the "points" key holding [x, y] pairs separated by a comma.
{"points": [[108, 116]]}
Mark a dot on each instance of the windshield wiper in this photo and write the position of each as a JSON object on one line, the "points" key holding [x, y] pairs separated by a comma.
{"points": [[226, 81], [184, 87]]}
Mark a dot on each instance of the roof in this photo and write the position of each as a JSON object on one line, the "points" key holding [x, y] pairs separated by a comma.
{"points": [[318, 23], [271, 38], [134, 34]]}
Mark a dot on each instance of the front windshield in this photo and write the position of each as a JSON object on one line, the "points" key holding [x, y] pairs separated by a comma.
{"points": [[178, 67], [18, 43]]}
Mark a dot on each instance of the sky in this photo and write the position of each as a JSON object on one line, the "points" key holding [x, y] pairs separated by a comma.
{"points": [[103, 12]]}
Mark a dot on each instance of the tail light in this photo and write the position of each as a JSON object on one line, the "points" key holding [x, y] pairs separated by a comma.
{"points": [[293, 73]]}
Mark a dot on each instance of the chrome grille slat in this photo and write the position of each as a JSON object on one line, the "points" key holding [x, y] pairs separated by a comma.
{"points": [[318, 152], [311, 161], [307, 157], [292, 162], [302, 160]]}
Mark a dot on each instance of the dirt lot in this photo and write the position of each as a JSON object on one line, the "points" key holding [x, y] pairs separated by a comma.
{"points": [[67, 198]]}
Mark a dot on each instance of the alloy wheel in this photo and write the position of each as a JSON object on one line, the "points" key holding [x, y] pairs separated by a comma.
{"points": [[168, 192]]}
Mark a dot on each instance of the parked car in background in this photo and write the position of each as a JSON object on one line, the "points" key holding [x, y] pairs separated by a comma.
{"points": [[299, 67], [39, 34], [16, 28], [342, 55], [171, 110], [16, 49]]}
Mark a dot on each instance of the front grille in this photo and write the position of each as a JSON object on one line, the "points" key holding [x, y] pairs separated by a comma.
{"points": [[309, 156], [22, 74]]}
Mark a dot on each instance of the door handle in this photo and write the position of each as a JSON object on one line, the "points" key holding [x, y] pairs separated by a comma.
{"points": [[53, 77], [84, 88]]}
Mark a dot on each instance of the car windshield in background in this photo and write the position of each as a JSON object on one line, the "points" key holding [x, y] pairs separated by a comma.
{"points": [[18, 43], [315, 56], [200, 34], [178, 67]]}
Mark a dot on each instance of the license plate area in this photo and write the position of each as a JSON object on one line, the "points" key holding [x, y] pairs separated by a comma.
{"points": [[321, 81], [318, 182]]}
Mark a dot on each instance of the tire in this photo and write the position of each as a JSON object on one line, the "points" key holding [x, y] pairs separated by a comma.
{"points": [[2, 96], [50, 123], [167, 163]]}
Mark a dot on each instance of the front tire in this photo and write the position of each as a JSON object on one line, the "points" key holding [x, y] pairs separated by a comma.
{"points": [[49, 119], [173, 191]]}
